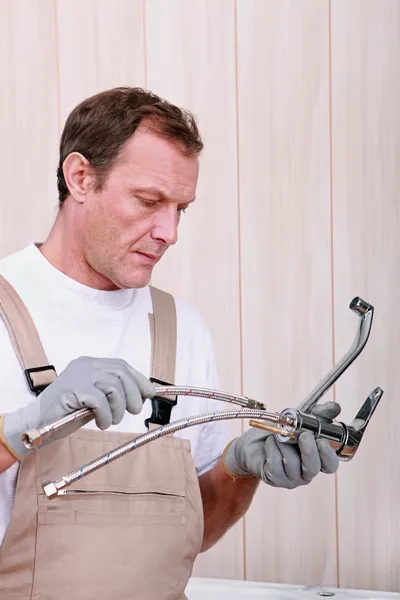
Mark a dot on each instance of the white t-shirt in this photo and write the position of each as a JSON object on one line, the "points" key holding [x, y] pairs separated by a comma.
{"points": [[74, 320]]}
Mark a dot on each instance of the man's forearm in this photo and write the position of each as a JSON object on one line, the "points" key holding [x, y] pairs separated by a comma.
{"points": [[225, 501], [6, 458]]}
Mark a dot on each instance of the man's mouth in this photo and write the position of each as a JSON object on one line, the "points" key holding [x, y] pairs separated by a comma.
{"points": [[150, 259]]}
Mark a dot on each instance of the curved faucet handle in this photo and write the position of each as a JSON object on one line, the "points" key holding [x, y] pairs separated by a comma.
{"points": [[365, 313], [356, 429]]}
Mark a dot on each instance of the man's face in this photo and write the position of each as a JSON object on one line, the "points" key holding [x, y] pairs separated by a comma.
{"points": [[132, 221]]}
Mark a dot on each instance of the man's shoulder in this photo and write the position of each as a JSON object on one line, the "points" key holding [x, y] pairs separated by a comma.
{"points": [[188, 315], [13, 262], [189, 318]]}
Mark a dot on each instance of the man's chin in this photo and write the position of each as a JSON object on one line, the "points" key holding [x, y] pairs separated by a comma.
{"points": [[136, 281]]}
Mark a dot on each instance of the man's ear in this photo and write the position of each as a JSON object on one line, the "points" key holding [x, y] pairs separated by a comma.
{"points": [[78, 175]]}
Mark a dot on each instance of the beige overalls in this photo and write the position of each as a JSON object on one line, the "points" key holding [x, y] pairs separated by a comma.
{"points": [[128, 531]]}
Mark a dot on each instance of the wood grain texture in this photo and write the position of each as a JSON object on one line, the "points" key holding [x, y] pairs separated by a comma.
{"points": [[283, 75], [28, 122], [100, 46], [366, 182], [191, 61], [311, 83]]}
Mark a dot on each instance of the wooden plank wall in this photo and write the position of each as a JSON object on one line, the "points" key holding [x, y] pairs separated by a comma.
{"points": [[298, 212]]}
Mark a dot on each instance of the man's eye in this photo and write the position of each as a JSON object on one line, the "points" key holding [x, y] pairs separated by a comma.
{"points": [[148, 203]]}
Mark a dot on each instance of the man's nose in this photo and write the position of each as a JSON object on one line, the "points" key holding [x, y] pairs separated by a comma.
{"points": [[166, 226]]}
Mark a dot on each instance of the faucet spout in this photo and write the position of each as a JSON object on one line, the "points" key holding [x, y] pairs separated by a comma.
{"points": [[365, 312]]}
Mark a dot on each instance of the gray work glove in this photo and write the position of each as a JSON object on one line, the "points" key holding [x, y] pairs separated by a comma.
{"points": [[280, 464], [108, 386]]}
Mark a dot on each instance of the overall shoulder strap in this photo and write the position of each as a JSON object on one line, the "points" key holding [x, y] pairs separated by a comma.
{"points": [[163, 327], [25, 338]]}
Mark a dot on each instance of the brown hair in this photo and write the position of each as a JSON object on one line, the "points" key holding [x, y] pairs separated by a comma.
{"points": [[100, 125]]}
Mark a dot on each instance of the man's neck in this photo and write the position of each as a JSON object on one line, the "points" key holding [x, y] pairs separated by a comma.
{"points": [[62, 251]]}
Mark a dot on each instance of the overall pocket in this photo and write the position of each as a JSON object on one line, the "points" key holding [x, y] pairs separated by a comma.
{"points": [[118, 533]]}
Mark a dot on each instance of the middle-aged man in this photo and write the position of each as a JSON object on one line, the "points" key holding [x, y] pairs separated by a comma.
{"points": [[128, 169]]}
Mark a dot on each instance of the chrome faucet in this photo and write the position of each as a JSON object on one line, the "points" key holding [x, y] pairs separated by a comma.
{"points": [[345, 439]]}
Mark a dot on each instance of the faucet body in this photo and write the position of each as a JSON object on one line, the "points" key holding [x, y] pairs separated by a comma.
{"points": [[344, 439]]}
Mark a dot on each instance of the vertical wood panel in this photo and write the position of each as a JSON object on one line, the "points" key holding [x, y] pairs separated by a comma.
{"points": [[28, 122], [101, 46], [366, 183], [283, 68], [283, 74], [191, 61]]}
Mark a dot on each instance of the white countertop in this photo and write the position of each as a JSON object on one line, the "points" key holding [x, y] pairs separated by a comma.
{"points": [[220, 589]]}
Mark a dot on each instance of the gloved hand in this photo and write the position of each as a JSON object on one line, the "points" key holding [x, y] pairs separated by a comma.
{"points": [[108, 386], [285, 465]]}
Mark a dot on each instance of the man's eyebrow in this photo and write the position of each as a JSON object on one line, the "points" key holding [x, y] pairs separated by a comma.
{"points": [[151, 190], [155, 192]]}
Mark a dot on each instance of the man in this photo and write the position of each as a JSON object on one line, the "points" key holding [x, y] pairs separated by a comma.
{"points": [[128, 169]]}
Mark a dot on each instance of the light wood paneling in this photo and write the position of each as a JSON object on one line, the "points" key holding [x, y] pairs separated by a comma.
{"points": [[101, 46], [366, 183], [28, 122], [272, 267], [191, 61], [283, 74]]}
